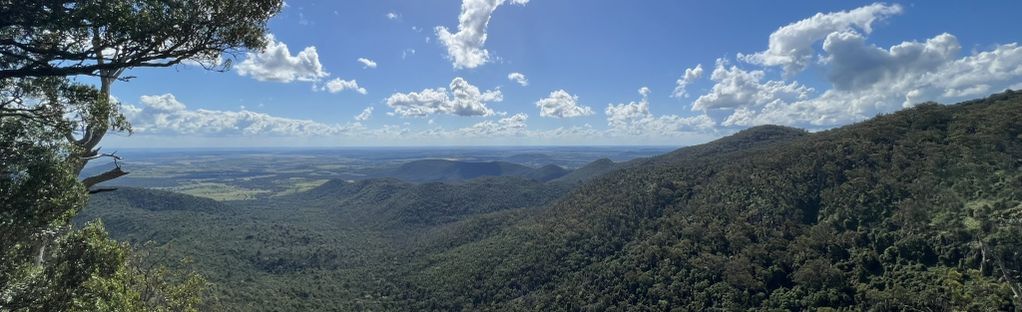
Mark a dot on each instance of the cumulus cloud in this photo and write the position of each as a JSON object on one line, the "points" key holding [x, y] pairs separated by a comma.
{"points": [[691, 75], [367, 63], [463, 99], [634, 118], [561, 104], [162, 103], [465, 48], [276, 64], [365, 114], [518, 78], [791, 46], [164, 114], [513, 125], [393, 16], [854, 64], [866, 80], [735, 88], [337, 85], [585, 131]]}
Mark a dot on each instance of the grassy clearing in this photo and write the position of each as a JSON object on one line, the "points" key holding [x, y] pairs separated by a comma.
{"points": [[298, 185], [218, 191]]}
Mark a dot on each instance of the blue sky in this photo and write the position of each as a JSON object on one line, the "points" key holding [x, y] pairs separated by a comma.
{"points": [[598, 72]]}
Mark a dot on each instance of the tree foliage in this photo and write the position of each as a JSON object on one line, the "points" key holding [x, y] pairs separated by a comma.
{"points": [[51, 126], [104, 37]]}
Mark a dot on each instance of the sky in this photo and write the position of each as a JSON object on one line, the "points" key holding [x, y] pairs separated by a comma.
{"points": [[573, 72]]}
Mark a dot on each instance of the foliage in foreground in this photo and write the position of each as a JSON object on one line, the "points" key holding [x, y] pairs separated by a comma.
{"points": [[51, 127]]}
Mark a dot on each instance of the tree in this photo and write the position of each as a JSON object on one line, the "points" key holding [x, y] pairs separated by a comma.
{"points": [[43, 38], [51, 126], [103, 38]]}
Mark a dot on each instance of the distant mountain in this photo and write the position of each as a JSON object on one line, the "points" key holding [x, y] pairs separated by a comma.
{"points": [[391, 202], [428, 170], [547, 173], [530, 158], [589, 171]]}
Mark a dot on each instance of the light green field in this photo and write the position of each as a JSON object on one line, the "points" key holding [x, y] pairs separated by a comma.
{"points": [[218, 191], [296, 185]]}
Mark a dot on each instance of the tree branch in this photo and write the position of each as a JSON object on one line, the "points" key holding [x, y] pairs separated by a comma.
{"points": [[102, 177], [97, 155], [102, 189]]}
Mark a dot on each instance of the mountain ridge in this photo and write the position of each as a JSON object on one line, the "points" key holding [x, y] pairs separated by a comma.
{"points": [[444, 170], [744, 223]]}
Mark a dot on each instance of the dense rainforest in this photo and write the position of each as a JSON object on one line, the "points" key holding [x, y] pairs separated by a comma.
{"points": [[916, 210]]}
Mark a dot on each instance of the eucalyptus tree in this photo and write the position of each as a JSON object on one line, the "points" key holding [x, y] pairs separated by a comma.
{"points": [[58, 62], [104, 38]]}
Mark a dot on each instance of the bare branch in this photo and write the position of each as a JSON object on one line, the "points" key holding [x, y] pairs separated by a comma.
{"points": [[97, 155], [102, 189], [102, 177]]}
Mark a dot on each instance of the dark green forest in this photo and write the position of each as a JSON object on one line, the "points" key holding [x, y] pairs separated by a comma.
{"points": [[916, 210]]}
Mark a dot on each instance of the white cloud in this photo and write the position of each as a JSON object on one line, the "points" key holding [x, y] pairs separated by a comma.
{"points": [[735, 88], [393, 16], [561, 104], [513, 125], [163, 103], [164, 114], [635, 119], [518, 78], [465, 47], [277, 64], [691, 75], [464, 99], [365, 114], [407, 52], [367, 63], [163, 117], [337, 85], [791, 46], [854, 64], [585, 131], [867, 80]]}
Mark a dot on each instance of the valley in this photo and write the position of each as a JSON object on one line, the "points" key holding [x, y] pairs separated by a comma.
{"points": [[258, 174], [867, 215], [510, 155]]}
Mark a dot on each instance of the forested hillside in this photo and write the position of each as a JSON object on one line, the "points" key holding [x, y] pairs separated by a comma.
{"points": [[335, 247], [917, 210], [589, 171]]}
